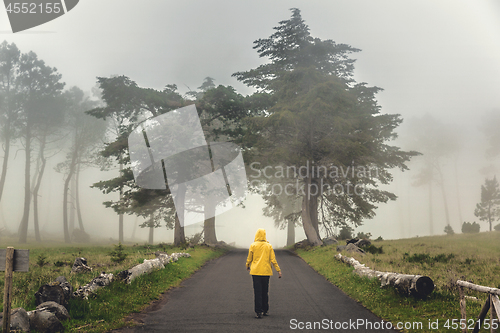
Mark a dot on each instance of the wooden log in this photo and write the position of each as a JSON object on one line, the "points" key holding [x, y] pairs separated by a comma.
{"points": [[482, 315], [405, 284], [491, 313], [496, 305], [149, 266], [7, 296], [96, 283], [476, 287]]}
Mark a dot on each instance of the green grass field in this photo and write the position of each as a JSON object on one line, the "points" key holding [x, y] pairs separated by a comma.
{"points": [[107, 308], [473, 257], [469, 257]]}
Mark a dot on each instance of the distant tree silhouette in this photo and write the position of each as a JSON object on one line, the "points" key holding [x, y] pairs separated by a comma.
{"points": [[489, 208]]}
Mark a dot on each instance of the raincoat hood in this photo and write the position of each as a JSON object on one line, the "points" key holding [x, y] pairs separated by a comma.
{"points": [[260, 236]]}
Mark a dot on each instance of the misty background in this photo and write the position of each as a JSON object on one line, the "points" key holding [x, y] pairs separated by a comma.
{"points": [[438, 63]]}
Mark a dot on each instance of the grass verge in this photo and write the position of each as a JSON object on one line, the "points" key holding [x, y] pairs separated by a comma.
{"points": [[106, 309], [468, 258]]}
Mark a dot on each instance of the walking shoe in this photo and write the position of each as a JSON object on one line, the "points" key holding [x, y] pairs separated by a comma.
{"points": [[258, 315], [265, 314]]}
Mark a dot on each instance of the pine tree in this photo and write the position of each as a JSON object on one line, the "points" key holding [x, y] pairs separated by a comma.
{"points": [[312, 116], [489, 208], [129, 103]]}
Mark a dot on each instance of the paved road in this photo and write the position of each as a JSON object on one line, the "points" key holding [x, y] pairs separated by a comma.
{"points": [[219, 298]]}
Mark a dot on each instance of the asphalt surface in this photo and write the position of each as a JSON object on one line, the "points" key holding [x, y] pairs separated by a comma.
{"points": [[219, 298]]}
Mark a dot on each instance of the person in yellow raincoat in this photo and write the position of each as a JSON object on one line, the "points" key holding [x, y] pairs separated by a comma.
{"points": [[260, 257]]}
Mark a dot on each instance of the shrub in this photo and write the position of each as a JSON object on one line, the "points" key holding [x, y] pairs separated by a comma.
{"points": [[60, 263], [469, 261], [470, 228], [345, 233], [118, 255], [164, 246], [195, 239], [443, 257], [417, 257], [362, 235], [497, 227], [449, 230], [373, 249], [426, 258], [40, 260]]}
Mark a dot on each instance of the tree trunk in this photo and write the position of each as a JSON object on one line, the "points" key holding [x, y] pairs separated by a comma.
{"points": [[34, 177], [290, 239], [460, 219], [7, 138], [209, 224], [151, 231], [4, 164], [405, 284], [179, 237], [409, 210], [67, 237], [490, 213], [23, 227], [313, 211], [431, 220], [135, 227], [120, 215], [209, 231], [43, 162], [311, 233], [77, 199], [445, 199], [120, 228], [72, 208]]}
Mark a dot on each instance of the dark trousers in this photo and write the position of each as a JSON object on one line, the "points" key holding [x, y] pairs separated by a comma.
{"points": [[260, 291]]}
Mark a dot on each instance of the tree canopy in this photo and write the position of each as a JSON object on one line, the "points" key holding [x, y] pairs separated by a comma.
{"points": [[220, 110], [315, 120], [308, 115], [128, 104]]}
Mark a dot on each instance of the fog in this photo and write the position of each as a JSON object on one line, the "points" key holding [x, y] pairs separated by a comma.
{"points": [[439, 60]]}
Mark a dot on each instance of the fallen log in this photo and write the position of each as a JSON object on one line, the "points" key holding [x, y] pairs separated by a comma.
{"points": [[96, 283], [148, 266], [405, 284], [476, 287]]}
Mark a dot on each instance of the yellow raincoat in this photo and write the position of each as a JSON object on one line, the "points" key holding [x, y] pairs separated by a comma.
{"points": [[261, 256]]}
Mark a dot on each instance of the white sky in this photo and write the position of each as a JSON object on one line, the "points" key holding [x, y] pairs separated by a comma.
{"points": [[437, 57]]}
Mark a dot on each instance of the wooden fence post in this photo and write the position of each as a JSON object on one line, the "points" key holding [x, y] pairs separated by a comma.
{"points": [[492, 303], [494, 311], [462, 307], [7, 296], [482, 314], [15, 261], [491, 314], [496, 305]]}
